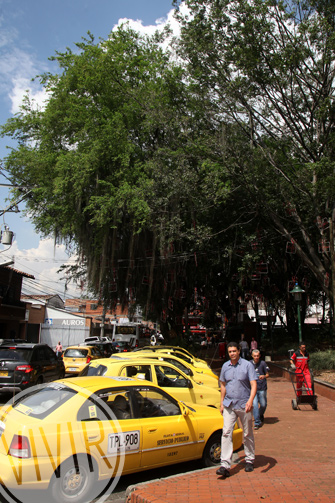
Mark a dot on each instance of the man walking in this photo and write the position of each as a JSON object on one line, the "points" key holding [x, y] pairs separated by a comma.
{"points": [[238, 381], [260, 400]]}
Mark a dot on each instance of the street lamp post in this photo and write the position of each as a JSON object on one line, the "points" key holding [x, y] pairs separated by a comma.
{"points": [[297, 294]]}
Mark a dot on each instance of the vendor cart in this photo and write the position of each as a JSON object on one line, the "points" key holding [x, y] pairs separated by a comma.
{"points": [[302, 396]]}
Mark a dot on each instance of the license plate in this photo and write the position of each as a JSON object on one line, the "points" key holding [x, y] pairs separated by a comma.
{"points": [[129, 441], [73, 369], [3, 372]]}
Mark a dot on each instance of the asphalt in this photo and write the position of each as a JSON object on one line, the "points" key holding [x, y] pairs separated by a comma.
{"points": [[295, 461]]}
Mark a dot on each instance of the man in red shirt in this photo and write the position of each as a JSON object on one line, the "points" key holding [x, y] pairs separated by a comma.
{"points": [[299, 362]]}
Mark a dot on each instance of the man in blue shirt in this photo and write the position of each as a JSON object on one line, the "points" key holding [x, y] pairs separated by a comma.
{"points": [[238, 381], [260, 400]]}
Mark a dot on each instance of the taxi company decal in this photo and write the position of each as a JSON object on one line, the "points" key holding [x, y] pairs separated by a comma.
{"points": [[173, 438], [128, 440]]}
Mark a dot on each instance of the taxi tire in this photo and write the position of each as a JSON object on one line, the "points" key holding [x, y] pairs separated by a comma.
{"points": [[210, 455], [67, 469]]}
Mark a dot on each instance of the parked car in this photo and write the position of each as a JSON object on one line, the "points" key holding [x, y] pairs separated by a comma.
{"points": [[75, 358], [106, 348], [89, 429], [162, 374], [25, 364], [183, 354], [121, 347], [195, 372], [95, 338]]}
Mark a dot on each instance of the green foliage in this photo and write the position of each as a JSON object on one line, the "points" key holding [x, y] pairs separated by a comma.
{"points": [[323, 360], [168, 177]]}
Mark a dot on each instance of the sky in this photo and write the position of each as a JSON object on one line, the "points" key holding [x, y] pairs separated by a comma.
{"points": [[31, 31]]}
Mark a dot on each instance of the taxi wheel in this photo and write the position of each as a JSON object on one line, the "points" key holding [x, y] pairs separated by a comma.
{"points": [[212, 451], [74, 483]]}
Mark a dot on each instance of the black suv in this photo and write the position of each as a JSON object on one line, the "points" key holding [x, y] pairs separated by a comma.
{"points": [[25, 364]]}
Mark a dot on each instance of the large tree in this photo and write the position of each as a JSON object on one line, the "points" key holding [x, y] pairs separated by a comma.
{"points": [[111, 168], [267, 69]]}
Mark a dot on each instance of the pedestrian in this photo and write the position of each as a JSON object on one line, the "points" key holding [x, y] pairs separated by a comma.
{"points": [[222, 349], [299, 363], [238, 381], [244, 346], [253, 344], [260, 400], [59, 349]]}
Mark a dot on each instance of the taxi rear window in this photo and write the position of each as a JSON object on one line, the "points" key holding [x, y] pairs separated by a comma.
{"points": [[42, 402], [76, 353]]}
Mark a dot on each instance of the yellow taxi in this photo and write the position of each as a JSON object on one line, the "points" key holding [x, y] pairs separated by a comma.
{"points": [[161, 373], [65, 436], [195, 372], [183, 354], [75, 358]]}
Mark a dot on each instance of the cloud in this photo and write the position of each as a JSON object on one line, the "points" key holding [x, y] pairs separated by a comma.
{"points": [[42, 262], [22, 86], [159, 25], [17, 69]]}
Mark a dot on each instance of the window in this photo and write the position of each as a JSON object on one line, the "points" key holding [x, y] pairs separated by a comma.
{"points": [[139, 372], [50, 354], [76, 353], [154, 403], [39, 355], [168, 377], [177, 364], [41, 402], [106, 405], [91, 370]]}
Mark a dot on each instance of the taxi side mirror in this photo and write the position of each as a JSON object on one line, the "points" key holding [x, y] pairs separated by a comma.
{"points": [[189, 384]]}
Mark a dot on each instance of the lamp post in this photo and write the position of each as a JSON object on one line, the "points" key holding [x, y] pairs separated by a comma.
{"points": [[297, 294], [271, 312]]}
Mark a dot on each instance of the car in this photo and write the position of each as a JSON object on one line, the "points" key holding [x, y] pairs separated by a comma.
{"points": [[25, 364], [183, 354], [106, 348], [75, 358], [121, 347], [89, 429], [95, 338], [162, 374], [195, 372]]}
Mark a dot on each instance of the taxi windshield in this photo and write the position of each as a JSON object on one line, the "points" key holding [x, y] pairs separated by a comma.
{"points": [[41, 402]]}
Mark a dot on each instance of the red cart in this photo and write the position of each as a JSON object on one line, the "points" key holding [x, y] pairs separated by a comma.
{"points": [[302, 395]]}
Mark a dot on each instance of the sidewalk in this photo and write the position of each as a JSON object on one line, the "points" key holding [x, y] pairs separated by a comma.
{"points": [[295, 461]]}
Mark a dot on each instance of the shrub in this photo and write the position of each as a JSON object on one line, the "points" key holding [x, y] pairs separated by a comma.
{"points": [[323, 360]]}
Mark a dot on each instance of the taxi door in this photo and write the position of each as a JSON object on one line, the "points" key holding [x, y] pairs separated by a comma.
{"points": [[167, 434], [183, 388], [113, 439]]}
